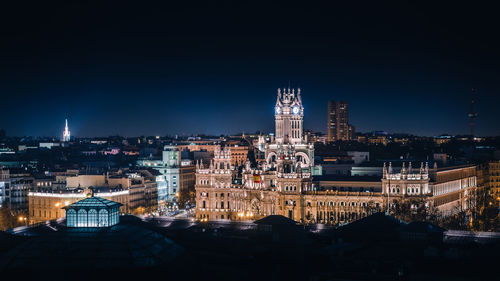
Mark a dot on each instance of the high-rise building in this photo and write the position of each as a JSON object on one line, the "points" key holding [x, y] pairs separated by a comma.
{"points": [[338, 122], [66, 133]]}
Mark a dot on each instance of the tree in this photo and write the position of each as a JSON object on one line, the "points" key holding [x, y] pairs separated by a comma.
{"points": [[186, 197], [414, 209], [457, 221], [483, 211], [8, 218], [370, 208]]}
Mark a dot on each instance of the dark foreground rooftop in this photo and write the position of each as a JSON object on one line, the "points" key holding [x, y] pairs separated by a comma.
{"points": [[128, 246], [143, 249]]}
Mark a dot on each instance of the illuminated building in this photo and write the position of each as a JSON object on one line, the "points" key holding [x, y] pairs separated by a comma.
{"points": [[281, 182], [4, 186], [14, 190], [92, 212], [448, 189], [452, 187], [378, 140], [66, 133], [175, 174], [137, 192], [494, 178]]}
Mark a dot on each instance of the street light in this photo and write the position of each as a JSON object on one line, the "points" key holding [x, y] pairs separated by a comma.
{"points": [[23, 219]]}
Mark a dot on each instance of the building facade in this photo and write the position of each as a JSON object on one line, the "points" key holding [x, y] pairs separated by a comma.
{"points": [[493, 171], [137, 193], [175, 174], [281, 181], [14, 190]]}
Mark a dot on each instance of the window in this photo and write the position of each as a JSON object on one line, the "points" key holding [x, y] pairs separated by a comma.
{"points": [[71, 218], [204, 204], [92, 218], [82, 218], [103, 217]]}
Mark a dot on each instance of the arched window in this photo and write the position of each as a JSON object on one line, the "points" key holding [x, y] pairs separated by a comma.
{"points": [[71, 218], [103, 217], [92, 218], [82, 218]]}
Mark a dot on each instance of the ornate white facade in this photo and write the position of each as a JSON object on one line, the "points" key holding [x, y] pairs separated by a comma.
{"points": [[281, 182], [406, 182]]}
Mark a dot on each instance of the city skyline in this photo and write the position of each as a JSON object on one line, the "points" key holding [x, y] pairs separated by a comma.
{"points": [[83, 126], [161, 70]]}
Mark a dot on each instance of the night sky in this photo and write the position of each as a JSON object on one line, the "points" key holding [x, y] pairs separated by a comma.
{"points": [[142, 69]]}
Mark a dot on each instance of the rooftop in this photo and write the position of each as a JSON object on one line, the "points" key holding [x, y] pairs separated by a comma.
{"points": [[93, 202]]}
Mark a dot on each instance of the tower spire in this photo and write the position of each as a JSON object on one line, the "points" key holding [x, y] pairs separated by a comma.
{"points": [[66, 133]]}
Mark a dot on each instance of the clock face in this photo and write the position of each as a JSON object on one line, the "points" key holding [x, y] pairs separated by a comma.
{"points": [[278, 110], [295, 110]]}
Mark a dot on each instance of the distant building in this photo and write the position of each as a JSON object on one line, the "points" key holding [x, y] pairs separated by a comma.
{"points": [[238, 154], [338, 122], [14, 190], [176, 174], [4, 186], [359, 156], [66, 133], [49, 145], [442, 139], [378, 140]]}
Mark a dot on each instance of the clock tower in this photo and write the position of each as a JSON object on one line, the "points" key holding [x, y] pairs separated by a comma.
{"points": [[289, 115]]}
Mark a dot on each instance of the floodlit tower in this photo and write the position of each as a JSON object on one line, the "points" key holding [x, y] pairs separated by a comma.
{"points": [[66, 133], [289, 115], [472, 113]]}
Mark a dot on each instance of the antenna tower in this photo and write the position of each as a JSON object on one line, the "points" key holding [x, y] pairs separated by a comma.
{"points": [[472, 113]]}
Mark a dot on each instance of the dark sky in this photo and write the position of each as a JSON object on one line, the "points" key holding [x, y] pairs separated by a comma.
{"points": [[132, 68]]}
